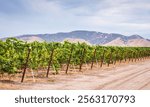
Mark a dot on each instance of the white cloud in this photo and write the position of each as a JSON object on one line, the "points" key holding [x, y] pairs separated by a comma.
{"points": [[44, 7], [43, 16]]}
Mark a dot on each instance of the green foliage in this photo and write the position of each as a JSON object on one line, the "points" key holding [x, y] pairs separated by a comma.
{"points": [[13, 54]]}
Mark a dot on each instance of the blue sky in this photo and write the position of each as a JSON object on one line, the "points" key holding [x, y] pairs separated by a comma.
{"points": [[18, 17]]}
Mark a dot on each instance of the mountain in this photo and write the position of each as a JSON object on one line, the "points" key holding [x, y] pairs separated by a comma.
{"points": [[131, 42], [116, 42], [31, 38], [91, 37], [76, 41]]}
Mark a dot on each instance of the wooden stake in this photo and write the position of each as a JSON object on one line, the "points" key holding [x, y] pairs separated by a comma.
{"points": [[25, 67], [69, 59], [116, 58], [102, 60], [110, 58], [82, 59], [93, 58], [50, 62]]}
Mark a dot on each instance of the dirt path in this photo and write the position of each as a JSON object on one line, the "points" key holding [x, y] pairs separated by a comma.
{"points": [[127, 76]]}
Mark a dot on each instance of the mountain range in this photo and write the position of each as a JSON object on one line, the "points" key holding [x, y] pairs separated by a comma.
{"points": [[90, 37]]}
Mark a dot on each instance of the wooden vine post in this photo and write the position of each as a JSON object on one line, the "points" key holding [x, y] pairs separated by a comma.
{"points": [[121, 58], [82, 59], [132, 56], [102, 59], [129, 57], [94, 54], [135, 57], [139, 56], [125, 56], [26, 64], [69, 59], [110, 58], [50, 62], [116, 58]]}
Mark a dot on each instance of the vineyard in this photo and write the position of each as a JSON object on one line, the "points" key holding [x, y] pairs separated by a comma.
{"points": [[18, 57]]}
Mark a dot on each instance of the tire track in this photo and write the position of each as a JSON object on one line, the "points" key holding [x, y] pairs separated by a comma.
{"points": [[145, 85], [71, 84], [125, 79], [130, 78], [113, 71]]}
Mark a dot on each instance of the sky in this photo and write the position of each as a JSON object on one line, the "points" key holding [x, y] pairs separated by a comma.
{"points": [[127, 17]]}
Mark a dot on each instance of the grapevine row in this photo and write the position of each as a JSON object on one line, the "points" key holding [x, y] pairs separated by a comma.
{"points": [[16, 55]]}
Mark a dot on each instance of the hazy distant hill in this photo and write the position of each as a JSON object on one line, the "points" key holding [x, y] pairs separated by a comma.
{"points": [[91, 37]]}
